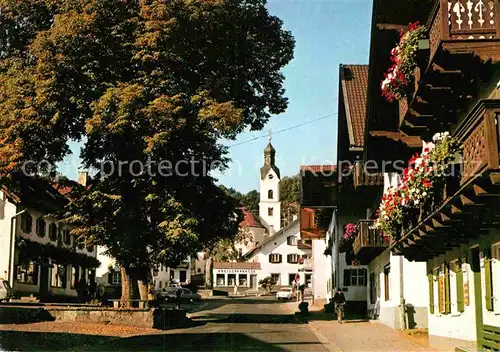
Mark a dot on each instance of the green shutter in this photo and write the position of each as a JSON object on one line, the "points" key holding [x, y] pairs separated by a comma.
{"points": [[460, 290], [487, 278], [447, 301], [347, 277], [431, 293]]}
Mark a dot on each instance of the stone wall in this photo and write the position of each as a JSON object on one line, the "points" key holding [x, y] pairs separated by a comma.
{"points": [[159, 318]]}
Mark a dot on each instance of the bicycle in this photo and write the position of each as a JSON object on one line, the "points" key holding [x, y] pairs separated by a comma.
{"points": [[339, 309]]}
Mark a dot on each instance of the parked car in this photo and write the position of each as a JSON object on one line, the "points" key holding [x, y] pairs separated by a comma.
{"points": [[188, 295], [170, 294], [5, 291], [284, 293], [166, 292]]}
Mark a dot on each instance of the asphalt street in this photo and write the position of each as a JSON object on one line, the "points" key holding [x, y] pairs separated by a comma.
{"points": [[234, 324]]}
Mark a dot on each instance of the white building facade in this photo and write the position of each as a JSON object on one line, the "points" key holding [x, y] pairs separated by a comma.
{"points": [[38, 255]]}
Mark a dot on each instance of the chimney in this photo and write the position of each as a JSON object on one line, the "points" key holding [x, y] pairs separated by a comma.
{"points": [[83, 177], [271, 230]]}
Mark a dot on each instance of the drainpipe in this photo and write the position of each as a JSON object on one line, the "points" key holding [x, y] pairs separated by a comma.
{"points": [[402, 304], [12, 246]]}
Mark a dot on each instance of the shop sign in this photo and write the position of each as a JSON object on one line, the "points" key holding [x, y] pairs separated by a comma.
{"points": [[235, 271]]}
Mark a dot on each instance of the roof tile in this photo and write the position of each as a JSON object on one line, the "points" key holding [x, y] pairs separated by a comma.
{"points": [[354, 80], [249, 220]]}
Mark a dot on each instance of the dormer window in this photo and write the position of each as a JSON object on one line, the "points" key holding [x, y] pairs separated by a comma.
{"points": [[291, 240], [269, 211], [271, 176], [270, 194]]}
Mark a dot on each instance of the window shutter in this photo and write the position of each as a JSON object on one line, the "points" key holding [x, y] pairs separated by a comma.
{"points": [[487, 278], [431, 293], [270, 258], [447, 301], [289, 258], [347, 277], [110, 276], [460, 289]]}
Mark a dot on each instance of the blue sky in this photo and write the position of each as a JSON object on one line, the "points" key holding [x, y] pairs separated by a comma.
{"points": [[327, 33]]}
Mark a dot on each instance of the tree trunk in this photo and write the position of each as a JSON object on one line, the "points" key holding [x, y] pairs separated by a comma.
{"points": [[143, 279], [126, 288], [208, 272]]}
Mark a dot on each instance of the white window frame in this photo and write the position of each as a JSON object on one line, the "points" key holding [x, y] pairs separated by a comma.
{"points": [[116, 278]]}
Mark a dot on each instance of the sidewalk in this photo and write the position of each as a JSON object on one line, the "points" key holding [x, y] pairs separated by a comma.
{"points": [[367, 336]]}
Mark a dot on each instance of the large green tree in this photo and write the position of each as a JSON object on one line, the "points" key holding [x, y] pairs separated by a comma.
{"points": [[144, 82], [290, 195]]}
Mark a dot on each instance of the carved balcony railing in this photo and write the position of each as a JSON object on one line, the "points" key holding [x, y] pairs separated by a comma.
{"points": [[464, 35], [365, 178], [369, 242], [463, 20], [471, 206]]}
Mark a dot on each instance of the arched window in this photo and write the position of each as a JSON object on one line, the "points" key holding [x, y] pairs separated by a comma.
{"points": [[269, 211], [270, 194]]}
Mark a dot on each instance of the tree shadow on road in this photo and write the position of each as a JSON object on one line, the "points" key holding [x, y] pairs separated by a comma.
{"points": [[252, 318], [47, 341], [188, 342]]}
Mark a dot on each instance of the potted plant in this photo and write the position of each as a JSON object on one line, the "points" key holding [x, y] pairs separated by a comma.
{"points": [[399, 78]]}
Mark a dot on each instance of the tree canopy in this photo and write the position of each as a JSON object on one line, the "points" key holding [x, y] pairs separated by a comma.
{"points": [[144, 81], [290, 194]]}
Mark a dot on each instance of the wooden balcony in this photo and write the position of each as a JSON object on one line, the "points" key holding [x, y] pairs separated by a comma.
{"points": [[470, 206], [314, 223], [369, 243], [464, 39], [365, 178]]}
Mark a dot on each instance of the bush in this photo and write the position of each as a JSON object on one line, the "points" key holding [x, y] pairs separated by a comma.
{"points": [[267, 283]]}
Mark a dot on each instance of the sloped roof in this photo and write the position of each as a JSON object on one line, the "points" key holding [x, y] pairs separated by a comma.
{"points": [[265, 169], [354, 83], [271, 238], [318, 168], [34, 192], [249, 220]]}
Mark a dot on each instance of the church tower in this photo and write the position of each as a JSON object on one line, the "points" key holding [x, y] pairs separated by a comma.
{"points": [[270, 205]]}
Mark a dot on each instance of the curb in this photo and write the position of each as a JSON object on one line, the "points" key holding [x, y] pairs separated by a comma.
{"points": [[328, 345]]}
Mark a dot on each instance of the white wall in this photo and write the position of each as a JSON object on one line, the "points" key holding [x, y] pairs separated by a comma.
{"points": [[351, 293], [280, 245], [414, 284], [322, 272], [8, 210], [106, 261], [267, 184], [256, 235], [456, 325]]}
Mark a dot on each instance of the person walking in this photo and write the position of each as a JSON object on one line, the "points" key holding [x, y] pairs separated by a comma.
{"points": [[339, 301]]}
